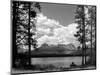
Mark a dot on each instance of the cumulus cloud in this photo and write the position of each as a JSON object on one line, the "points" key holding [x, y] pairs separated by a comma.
{"points": [[52, 32], [44, 22]]}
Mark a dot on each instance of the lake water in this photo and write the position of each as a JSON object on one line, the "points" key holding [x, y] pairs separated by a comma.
{"points": [[58, 61]]}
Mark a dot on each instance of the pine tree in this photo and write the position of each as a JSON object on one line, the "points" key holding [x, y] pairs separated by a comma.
{"points": [[23, 27], [87, 29], [91, 22], [80, 20]]}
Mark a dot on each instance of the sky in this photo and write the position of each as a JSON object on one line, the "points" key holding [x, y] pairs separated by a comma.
{"points": [[55, 25], [64, 13]]}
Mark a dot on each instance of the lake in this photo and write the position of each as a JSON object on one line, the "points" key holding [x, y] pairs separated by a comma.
{"points": [[57, 61]]}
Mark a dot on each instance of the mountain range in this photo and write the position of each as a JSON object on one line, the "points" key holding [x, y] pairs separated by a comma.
{"points": [[55, 49]]}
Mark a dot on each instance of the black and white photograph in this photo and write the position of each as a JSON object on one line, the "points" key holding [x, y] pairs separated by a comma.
{"points": [[52, 37]]}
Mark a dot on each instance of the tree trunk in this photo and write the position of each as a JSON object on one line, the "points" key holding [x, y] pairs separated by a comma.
{"points": [[83, 44], [29, 36], [14, 48], [91, 43]]}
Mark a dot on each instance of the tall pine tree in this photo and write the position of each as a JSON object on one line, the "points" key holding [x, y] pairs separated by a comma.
{"points": [[91, 22], [23, 28], [80, 20]]}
